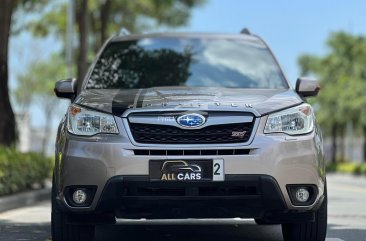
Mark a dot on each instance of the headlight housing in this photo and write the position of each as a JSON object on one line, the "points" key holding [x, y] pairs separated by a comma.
{"points": [[294, 121], [86, 122]]}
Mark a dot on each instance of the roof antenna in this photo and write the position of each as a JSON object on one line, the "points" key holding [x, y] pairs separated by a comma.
{"points": [[245, 31]]}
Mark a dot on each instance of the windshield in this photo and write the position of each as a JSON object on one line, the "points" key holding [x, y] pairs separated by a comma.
{"points": [[152, 62]]}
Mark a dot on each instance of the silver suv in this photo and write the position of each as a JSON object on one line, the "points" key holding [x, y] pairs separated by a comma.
{"points": [[188, 126]]}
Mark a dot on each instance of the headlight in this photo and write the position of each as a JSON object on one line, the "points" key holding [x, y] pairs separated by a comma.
{"points": [[294, 121], [87, 123]]}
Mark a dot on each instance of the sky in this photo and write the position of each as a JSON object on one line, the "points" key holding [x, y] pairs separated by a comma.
{"points": [[291, 28]]}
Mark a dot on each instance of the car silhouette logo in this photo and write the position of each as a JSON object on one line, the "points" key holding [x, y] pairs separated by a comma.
{"points": [[179, 166], [191, 120]]}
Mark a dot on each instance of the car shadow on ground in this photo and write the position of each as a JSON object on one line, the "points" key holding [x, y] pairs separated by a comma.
{"points": [[242, 232], [10, 231], [346, 233]]}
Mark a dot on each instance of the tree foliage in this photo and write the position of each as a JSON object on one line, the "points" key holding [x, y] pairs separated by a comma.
{"points": [[8, 22], [36, 85], [108, 17], [342, 73], [97, 20]]}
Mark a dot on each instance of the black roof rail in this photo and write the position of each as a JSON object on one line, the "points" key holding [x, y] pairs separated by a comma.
{"points": [[245, 31]]}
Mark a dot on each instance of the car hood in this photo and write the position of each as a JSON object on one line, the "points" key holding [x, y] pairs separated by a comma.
{"points": [[262, 101]]}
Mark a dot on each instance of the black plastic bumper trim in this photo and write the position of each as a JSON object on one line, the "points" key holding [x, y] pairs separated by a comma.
{"points": [[313, 190], [268, 198]]}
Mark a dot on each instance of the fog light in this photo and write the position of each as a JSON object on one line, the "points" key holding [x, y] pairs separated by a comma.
{"points": [[302, 195], [79, 196]]}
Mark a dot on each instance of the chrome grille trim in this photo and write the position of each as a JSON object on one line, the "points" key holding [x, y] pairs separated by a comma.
{"points": [[218, 152], [217, 109]]}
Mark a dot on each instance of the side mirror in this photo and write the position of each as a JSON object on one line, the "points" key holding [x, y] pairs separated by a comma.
{"points": [[66, 88], [307, 87]]}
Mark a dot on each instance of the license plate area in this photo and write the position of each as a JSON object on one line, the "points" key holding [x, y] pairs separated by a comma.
{"points": [[186, 170]]}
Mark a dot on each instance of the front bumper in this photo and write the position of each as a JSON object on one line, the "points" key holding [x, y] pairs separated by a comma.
{"points": [[102, 161], [238, 196]]}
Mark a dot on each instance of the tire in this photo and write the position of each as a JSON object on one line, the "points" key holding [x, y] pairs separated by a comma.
{"points": [[309, 231], [61, 231]]}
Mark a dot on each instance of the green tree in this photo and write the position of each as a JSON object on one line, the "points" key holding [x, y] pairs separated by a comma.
{"points": [[37, 84], [7, 10], [23, 94], [96, 20], [342, 73]]}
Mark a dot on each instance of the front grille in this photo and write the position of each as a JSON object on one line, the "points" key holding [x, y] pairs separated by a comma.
{"points": [[216, 134], [221, 152]]}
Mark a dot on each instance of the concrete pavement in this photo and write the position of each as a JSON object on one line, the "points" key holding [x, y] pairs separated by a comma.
{"points": [[28, 223], [347, 207]]}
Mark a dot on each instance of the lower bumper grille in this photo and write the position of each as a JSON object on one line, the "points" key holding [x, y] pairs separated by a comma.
{"points": [[245, 196], [205, 190]]}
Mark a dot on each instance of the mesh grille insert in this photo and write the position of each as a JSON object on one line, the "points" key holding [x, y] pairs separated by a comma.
{"points": [[216, 134]]}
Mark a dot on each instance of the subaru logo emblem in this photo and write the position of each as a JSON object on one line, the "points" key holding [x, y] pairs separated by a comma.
{"points": [[191, 120]]}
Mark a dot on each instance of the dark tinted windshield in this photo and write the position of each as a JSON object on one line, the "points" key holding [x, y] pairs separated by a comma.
{"points": [[153, 62]]}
